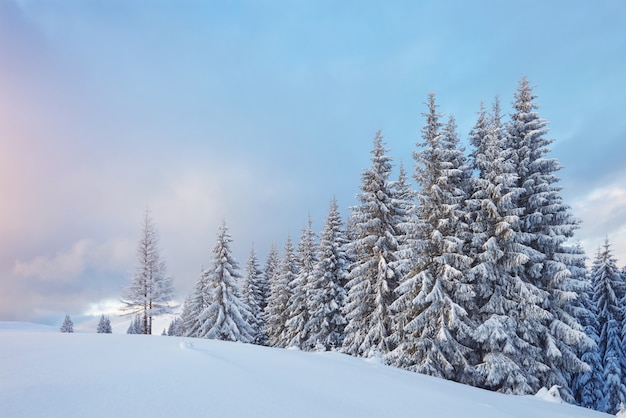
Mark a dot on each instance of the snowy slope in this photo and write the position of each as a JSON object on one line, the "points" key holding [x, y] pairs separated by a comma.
{"points": [[50, 374]]}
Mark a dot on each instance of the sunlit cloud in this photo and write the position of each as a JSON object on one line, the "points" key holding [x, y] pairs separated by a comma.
{"points": [[603, 212], [66, 266]]}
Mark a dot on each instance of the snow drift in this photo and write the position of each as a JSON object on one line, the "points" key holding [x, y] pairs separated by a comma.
{"points": [[102, 375]]}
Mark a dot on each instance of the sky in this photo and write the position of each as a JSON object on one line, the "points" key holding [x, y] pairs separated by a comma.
{"points": [[258, 113]]}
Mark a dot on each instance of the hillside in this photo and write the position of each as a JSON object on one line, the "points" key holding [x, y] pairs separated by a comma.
{"points": [[47, 373]]}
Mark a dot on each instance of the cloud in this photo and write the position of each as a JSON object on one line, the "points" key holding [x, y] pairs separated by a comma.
{"points": [[66, 266], [603, 212]]}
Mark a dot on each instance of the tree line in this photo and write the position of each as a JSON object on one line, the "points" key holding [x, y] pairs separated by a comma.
{"points": [[472, 276]]}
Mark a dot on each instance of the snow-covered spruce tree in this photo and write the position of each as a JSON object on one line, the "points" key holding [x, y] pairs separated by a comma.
{"points": [[404, 200], [197, 302], [272, 265], [135, 326], [609, 290], [254, 295], [67, 325], [104, 325], [186, 317], [548, 224], [326, 294], [277, 310], [295, 333], [433, 298], [375, 271], [175, 329], [510, 312], [227, 317], [588, 387], [151, 290]]}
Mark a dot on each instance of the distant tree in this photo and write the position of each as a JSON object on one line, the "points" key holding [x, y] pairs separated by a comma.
{"points": [[68, 325], [326, 294], [375, 271], [277, 310], [254, 294], [104, 326], [227, 317], [185, 319], [136, 325], [151, 290], [175, 328]]}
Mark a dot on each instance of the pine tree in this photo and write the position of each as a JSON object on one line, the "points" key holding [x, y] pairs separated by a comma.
{"points": [[151, 289], [104, 325], [67, 325], [375, 272], [547, 223], [254, 296], [433, 297], [509, 311], [326, 294], [295, 333], [277, 310], [226, 317]]}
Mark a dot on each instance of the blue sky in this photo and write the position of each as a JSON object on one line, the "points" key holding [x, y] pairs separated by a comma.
{"points": [[259, 113]]}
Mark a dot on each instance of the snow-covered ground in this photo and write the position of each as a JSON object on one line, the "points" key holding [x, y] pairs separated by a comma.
{"points": [[44, 373]]}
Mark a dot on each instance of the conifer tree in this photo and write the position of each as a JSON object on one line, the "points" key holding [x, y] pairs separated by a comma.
{"points": [[136, 325], [197, 302], [609, 290], [227, 317], [254, 295], [588, 387], [509, 311], [375, 271], [104, 325], [67, 325], [326, 294], [432, 298], [175, 328], [547, 224], [151, 290], [277, 310], [295, 333]]}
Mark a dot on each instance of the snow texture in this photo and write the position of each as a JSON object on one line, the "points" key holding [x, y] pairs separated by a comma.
{"points": [[54, 375]]}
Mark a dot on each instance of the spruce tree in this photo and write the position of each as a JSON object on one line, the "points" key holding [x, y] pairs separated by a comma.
{"points": [[588, 387], [326, 294], [151, 290], [277, 310], [104, 325], [295, 333], [67, 325], [547, 224], [375, 271], [433, 298], [254, 295], [227, 317], [136, 325], [509, 311], [609, 290]]}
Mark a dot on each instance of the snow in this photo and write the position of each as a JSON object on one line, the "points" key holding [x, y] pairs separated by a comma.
{"points": [[54, 374]]}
